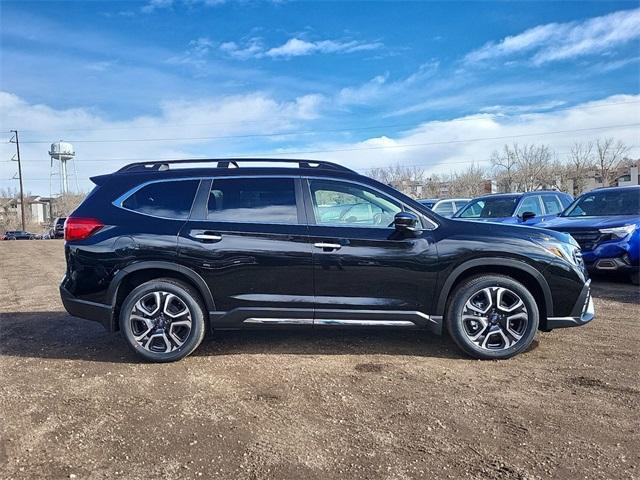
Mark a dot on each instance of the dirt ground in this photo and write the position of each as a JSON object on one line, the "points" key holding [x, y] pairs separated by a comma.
{"points": [[75, 403]]}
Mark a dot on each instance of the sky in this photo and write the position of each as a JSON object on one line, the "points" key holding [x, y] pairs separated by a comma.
{"points": [[438, 85]]}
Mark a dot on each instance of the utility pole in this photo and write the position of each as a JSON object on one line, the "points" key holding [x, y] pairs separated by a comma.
{"points": [[17, 142]]}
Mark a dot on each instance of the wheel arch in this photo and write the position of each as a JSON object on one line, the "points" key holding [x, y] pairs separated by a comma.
{"points": [[521, 271], [136, 274]]}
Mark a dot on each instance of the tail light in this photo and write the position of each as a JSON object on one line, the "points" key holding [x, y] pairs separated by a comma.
{"points": [[80, 228]]}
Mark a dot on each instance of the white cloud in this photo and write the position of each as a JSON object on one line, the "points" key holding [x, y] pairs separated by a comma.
{"points": [[561, 41], [294, 47], [154, 5], [439, 146], [239, 115], [450, 145]]}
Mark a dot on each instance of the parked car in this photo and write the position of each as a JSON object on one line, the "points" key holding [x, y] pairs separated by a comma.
{"points": [[18, 235], [606, 224], [528, 208], [57, 230], [163, 254], [445, 207]]}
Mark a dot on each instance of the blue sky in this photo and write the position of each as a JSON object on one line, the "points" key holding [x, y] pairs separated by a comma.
{"points": [[438, 85]]}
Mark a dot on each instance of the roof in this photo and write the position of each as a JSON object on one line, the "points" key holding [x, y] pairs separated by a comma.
{"points": [[623, 187], [521, 194]]}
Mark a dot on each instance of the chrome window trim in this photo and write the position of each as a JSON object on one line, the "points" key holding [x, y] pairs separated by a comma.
{"points": [[118, 201]]}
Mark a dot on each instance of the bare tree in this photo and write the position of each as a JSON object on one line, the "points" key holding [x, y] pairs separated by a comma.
{"points": [[67, 203], [581, 160], [609, 155], [505, 168], [469, 182], [404, 178]]}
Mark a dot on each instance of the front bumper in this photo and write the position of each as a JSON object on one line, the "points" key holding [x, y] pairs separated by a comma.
{"points": [[583, 311], [96, 312]]}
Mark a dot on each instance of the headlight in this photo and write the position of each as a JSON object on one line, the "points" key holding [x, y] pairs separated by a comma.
{"points": [[619, 232], [566, 251]]}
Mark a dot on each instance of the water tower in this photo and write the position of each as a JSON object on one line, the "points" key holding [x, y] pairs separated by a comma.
{"points": [[63, 152]]}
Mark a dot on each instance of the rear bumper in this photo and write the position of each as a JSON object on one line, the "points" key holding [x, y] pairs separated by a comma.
{"points": [[583, 311], [96, 312]]}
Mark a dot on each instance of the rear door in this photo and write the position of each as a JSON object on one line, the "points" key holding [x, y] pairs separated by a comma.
{"points": [[364, 270], [247, 237]]}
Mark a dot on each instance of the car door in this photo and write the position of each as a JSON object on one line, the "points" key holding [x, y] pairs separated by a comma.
{"points": [[247, 237], [364, 270]]}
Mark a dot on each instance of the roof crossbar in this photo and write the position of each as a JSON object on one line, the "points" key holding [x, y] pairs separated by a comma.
{"points": [[163, 165]]}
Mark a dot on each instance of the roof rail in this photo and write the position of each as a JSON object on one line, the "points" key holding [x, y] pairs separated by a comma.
{"points": [[163, 165]]}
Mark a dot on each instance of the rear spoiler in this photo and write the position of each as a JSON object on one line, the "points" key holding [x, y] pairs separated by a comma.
{"points": [[100, 180]]}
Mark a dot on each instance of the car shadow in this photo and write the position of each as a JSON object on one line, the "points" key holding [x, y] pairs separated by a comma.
{"points": [[615, 287], [57, 335]]}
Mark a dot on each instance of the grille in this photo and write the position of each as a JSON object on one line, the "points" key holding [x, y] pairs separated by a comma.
{"points": [[587, 240]]}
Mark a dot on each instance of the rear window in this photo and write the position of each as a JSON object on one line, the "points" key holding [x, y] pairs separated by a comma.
{"points": [[255, 200], [172, 199]]}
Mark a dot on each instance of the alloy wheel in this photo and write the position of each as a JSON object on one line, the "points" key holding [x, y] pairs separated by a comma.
{"points": [[160, 322], [495, 318]]}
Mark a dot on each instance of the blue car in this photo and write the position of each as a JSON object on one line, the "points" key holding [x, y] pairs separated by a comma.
{"points": [[528, 208], [606, 224]]}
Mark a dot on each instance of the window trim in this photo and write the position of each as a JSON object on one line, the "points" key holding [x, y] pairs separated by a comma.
{"points": [[118, 202]]}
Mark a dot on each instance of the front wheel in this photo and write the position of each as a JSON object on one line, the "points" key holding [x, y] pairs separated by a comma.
{"points": [[492, 317], [163, 320]]}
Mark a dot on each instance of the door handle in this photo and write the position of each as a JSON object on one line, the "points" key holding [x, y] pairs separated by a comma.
{"points": [[205, 236], [328, 246]]}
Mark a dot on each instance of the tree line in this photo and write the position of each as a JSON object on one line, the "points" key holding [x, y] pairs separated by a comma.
{"points": [[517, 167]]}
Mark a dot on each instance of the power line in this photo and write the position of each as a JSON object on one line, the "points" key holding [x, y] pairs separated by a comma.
{"points": [[384, 147], [299, 132]]}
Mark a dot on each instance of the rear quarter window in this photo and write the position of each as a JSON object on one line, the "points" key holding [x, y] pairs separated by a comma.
{"points": [[171, 199]]}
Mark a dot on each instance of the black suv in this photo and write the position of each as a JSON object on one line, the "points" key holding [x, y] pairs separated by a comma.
{"points": [[165, 254]]}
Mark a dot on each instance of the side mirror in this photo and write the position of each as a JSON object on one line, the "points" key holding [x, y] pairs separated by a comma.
{"points": [[527, 216], [406, 222]]}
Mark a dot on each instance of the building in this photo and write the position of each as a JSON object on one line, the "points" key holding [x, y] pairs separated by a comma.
{"points": [[37, 210]]}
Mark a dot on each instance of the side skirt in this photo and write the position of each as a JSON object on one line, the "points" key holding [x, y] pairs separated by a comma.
{"points": [[248, 317]]}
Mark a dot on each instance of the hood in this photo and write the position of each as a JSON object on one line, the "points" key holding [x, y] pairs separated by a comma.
{"points": [[569, 224], [525, 232]]}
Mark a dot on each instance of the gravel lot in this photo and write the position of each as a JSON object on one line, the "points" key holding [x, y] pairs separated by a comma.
{"points": [[75, 403]]}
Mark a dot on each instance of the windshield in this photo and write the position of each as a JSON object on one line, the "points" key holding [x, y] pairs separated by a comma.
{"points": [[495, 207], [604, 203]]}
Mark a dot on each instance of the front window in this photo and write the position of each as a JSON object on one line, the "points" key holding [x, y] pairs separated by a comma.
{"points": [[339, 203], [493, 207], [261, 200], [605, 203], [552, 204], [530, 204]]}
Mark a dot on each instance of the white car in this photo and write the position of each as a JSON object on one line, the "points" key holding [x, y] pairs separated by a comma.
{"points": [[446, 207]]}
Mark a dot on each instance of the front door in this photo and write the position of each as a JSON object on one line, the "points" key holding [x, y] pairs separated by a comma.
{"points": [[366, 272], [248, 239]]}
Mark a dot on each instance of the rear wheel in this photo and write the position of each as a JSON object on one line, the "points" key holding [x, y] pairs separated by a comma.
{"points": [[492, 317], [635, 278], [163, 320]]}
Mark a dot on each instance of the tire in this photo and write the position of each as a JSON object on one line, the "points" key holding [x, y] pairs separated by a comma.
{"points": [[154, 323], [507, 326]]}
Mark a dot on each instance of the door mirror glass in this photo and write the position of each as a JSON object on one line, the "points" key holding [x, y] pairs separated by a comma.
{"points": [[527, 216], [406, 222]]}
